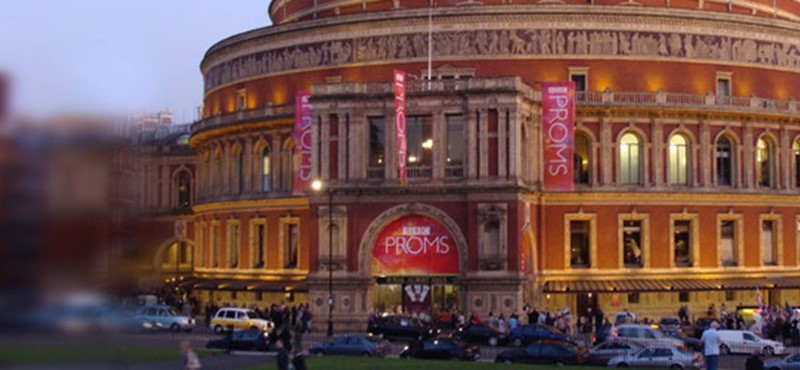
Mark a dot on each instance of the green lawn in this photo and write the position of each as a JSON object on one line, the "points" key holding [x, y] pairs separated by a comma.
{"points": [[30, 355], [357, 363]]}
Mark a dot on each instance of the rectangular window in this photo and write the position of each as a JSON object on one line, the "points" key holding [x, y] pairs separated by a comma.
{"points": [[682, 239], [683, 297], [419, 131], [727, 243], [259, 239], [233, 244], [579, 244], [259, 296], [377, 141], [768, 243], [632, 243], [291, 246], [723, 88], [633, 298], [241, 99], [730, 296], [455, 140], [580, 81]]}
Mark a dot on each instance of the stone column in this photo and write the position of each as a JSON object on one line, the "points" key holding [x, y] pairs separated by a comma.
{"points": [[472, 143], [606, 151], [658, 152], [514, 144], [502, 135], [315, 140], [747, 152], [483, 142], [226, 169], [357, 149], [706, 153], [391, 144], [166, 185], [276, 172], [247, 171], [785, 160], [537, 148]]}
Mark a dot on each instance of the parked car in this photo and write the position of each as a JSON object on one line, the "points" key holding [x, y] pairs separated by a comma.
{"points": [[662, 357], [239, 319], [791, 362], [742, 341], [624, 317], [603, 352], [527, 334], [399, 327], [352, 345], [545, 352], [670, 323], [691, 343], [441, 349], [166, 317], [243, 340], [481, 334], [647, 335]]}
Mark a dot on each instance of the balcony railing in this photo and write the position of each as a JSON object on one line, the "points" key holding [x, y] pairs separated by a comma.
{"points": [[669, 100], [419, 172], [453, 172], [258, 114], [375, 173]]}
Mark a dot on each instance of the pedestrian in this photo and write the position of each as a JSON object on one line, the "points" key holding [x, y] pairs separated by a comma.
{"points": [[282, 358], [711, 343], [299, 360], [755, 361], [286, 337], [189, 359]]}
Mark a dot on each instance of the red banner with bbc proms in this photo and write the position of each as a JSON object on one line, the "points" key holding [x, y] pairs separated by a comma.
{"points": [[558, 127], [302, 142], [415, 245], [399, 86]]}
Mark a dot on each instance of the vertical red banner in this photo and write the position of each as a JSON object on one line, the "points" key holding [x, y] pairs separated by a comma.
{"points": [[302, 142], [558, 128], [400, 122]]}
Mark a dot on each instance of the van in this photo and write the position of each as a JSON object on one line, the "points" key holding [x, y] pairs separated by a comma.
{"points": [[743, 341]]}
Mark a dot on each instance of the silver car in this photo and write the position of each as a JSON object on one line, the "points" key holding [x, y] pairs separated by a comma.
{"points": [[645, 334], [603, 352], [663, 357], [791, 362]]}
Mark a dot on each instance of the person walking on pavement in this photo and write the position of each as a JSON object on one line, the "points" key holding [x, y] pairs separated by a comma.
{"points": [[711, 343], [189, 359], [283, 356]]}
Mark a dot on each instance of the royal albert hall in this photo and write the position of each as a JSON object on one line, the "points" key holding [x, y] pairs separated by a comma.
{"points": [[685, 158]]}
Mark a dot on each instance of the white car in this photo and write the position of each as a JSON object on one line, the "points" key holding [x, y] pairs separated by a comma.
{"points": [[672, 358], [742, 341]]}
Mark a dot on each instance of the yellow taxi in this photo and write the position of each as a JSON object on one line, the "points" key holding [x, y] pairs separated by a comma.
{"points": [[239, 319]]}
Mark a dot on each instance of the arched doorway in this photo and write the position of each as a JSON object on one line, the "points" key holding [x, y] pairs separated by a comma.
{"points": [[415, 256], [174, 259]]}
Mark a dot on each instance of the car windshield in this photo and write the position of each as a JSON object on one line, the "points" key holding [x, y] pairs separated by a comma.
{"points": [[252, 315]]}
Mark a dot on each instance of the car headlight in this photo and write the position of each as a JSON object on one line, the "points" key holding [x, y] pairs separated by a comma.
{"points": [[405, 348]]}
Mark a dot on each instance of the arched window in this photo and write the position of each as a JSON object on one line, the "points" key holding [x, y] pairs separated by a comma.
{"points": [[764, 162], [266, 170], [184, 186], [724, 157], [629, 159], [581, 158], [796, 152], [678, 160]]}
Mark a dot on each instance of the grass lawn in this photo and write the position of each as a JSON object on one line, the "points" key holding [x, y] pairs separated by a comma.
{"points": [[80, 355], [358, 363]]}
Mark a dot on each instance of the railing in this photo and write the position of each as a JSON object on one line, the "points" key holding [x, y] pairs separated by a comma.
{"points": [[375, 173], [454, 171], [265, 113], [419, 172], [668, 100]]}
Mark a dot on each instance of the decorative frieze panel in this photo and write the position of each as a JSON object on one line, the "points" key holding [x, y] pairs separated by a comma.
{"points": [[510, 43]]}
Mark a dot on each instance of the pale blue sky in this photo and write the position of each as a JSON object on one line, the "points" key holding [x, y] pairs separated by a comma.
{"points": [[115, 56]]}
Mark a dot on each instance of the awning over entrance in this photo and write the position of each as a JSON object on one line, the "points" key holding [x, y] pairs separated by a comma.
{"points": [[667, 285], [244, 285]]}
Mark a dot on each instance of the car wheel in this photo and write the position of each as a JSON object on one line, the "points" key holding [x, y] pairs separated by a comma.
{"points": [[676, 367], [622, 364], [254, 328], [493, 341], [517, 342], [724, 349], [768, 351], [218, 329], [175, 327]]}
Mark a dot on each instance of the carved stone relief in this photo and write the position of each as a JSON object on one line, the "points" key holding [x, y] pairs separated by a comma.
{"points": [[507, 43]]}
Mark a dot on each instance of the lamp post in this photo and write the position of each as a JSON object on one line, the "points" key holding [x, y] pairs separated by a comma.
{"points": [[317, 186]]}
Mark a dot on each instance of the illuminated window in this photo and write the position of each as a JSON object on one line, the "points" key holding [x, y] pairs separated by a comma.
{"points": [[682, 240], [259, 243], [727, 239], [455, 139], [579, 243], [678, 160], [419, 131], [724, 157], [764, 162], [233, 243], [184, 183], [377, 141], [629, 159], [581, 158], [796, 152], [291, 246], [633, 250], [266, 169], [769, 243]]}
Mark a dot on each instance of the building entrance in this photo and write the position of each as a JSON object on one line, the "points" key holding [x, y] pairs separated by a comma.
{"points": [[434, 297]]}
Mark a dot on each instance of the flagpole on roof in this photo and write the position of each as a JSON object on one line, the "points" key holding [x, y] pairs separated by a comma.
{"points": [[430, 41]]}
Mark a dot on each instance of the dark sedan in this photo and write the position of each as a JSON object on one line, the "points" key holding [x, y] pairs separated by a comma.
{"points": [[399, 327], [352, 345], [550, 352], [243, 340], [527, 334], [481, 334], [441, 349]]}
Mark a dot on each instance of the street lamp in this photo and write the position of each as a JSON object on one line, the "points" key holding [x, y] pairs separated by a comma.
{"points": [[316, 185]]}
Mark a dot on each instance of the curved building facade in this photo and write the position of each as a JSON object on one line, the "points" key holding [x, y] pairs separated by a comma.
{"points": [[687, 158]]}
